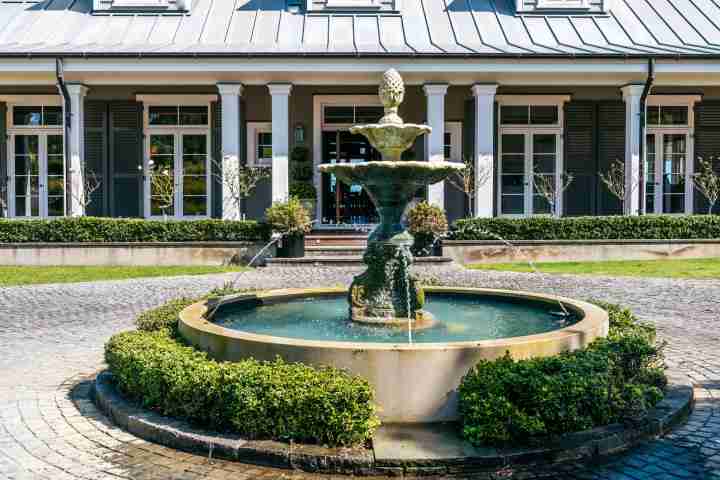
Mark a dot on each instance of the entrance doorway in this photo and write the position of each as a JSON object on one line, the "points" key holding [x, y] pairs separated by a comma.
{"points": [[343, 204]]}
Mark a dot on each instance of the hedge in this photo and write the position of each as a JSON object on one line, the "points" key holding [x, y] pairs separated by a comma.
{"points": [[93, 229], [277, 400], [649, 227], [615, 379]]}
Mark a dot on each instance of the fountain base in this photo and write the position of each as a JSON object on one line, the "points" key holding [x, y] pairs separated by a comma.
{"points": [[422, 320]]}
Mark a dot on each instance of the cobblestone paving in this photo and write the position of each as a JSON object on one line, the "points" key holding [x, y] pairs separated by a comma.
{"points": [[51, 340]]}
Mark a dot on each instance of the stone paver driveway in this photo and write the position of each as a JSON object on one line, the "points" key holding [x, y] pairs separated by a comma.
{"points": [[51, 340]]}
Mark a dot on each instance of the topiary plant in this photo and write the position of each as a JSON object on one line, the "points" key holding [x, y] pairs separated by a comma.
{"points": [[289, 218], [427, 223]]}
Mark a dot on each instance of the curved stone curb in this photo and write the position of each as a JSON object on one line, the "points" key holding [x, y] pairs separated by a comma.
{"points": [[576, 447]]}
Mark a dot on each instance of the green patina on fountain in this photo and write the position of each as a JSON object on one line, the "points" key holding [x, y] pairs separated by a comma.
{"points": [[387, 293]]}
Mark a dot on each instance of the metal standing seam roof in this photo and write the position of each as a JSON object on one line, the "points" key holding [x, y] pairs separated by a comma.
{"points": [[482, 28]]}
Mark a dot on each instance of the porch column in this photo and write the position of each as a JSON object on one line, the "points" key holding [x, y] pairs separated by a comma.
{"points": [[230, 100], [280, 140], [76, 145], [435, 141], [631, 95], [484, 200]]}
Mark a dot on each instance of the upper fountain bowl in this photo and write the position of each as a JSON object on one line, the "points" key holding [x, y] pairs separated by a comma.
{"points": [[394, 175], [391, 139]]}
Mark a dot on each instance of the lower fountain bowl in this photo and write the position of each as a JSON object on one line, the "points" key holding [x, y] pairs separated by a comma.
{"points": [[414, 382]]}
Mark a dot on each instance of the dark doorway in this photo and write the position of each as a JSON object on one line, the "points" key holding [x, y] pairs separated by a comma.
{"points": [[343, 204]]}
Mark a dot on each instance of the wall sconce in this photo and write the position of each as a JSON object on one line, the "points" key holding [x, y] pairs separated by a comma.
{"points": [[299, 133]]}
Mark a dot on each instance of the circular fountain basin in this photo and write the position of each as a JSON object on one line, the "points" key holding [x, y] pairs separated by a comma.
{"points": [[414, 382], [392, 174]]}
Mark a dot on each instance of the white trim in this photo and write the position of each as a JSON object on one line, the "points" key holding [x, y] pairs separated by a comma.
{"points": [[673, 100], [561, 5], [319, 102], [184, 100], [534, 100], [253, 128], [46, 100]]}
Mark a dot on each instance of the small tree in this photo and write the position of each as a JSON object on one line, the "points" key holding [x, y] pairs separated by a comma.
{"points": [[3, 199], [614, 180], [707, 182], [468, 180], [162, 186], [238, 186], [551, 188], [91, 183]]}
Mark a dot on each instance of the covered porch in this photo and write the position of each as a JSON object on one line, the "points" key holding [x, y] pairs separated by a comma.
{"points": [[513, 120]]}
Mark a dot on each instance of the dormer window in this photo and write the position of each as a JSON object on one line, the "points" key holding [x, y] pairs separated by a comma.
{"points": [[351, 5], [142, 5], [560, 6]]}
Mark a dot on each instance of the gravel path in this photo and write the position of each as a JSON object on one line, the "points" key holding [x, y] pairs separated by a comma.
{"points": [[51, 340]]}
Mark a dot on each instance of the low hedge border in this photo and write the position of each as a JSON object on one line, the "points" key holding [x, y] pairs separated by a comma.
{"points": [[124, 230], [586, 446], [647, 227]]}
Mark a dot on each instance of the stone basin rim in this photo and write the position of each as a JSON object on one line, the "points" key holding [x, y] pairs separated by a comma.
{"points": [[594, 321], [415, 164]]}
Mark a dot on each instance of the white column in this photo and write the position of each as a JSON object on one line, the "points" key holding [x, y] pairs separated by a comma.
{"points": [[280, 140], [230, 101], [632, 95], [76, 144], [484, 201], [435, 141]]}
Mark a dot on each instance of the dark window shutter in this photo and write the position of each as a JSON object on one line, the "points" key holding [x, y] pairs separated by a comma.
{"points": [[580, 160], [611, 147], [3, 163], [707, 143], [96, 155], [126, 153], [216, 163]]}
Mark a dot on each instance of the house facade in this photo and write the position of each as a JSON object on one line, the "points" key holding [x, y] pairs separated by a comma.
{"points": [[97, 95]]}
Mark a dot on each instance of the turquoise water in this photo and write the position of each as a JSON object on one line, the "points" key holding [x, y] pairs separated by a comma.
{"points": [[461, 318]]}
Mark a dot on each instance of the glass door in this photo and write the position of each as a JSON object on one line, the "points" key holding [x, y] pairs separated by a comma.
{"points": [[666, 171], [179, 163], [343, 204], [37, 175], [528, 161]]}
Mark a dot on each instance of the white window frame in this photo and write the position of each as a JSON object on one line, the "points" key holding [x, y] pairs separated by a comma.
{"points": [[659, 132], [353, 5], [455, 131], [529, 131], [563, 4], [319, 104], [142, 5], [253, 129], [42, 132], [178, 131]]}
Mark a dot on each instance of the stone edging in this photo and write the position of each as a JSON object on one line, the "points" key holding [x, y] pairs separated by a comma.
{"points": [[528, 243], [582, 446], [198, 244]]}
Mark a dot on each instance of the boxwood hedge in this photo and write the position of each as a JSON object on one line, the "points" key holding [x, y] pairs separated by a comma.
{"points": [[615, 379], [648, 227], [278, 400], [93, 229]]}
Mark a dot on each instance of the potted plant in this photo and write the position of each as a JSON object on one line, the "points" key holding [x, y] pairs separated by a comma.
{"points": [[427, 224], [306, 193], [291, 221]]}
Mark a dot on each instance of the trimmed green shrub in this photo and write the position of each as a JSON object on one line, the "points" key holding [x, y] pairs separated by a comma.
{"points": [[93, 229], [648, 227], [615, 379], [256, 399], [164, 317]]}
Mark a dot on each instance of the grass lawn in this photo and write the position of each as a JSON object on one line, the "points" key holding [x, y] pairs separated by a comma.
{"points": [[35, 275], [694, 268]]}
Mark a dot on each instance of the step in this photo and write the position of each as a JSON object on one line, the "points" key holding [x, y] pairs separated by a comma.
{"points": [[343, 261], [334, 250], [336, 240]]}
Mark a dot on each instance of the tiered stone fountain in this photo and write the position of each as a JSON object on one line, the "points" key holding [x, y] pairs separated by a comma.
{"points": [[387, 293], [449, 330]]}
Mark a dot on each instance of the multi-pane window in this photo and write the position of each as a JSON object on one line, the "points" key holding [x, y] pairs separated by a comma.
{"points": [[529, 115], [36, 166], [351, 115], [667, 116], [264, 148], [177, 168]]}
